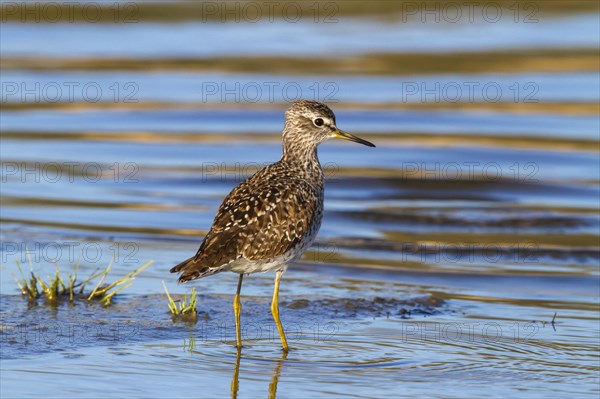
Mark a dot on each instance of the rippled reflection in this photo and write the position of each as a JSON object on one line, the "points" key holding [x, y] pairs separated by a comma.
{"points": [[235, 385]]}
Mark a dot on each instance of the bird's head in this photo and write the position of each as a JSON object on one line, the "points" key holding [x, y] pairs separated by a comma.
{"points": [[309, 123]]}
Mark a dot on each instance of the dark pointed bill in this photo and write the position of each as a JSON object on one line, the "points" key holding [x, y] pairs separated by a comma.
{"points": [[347, 136]]}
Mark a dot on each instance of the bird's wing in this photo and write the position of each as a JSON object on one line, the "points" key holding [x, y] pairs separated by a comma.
{"points": [[262, 218]]}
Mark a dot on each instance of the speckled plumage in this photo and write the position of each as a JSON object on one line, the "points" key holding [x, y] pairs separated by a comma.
{"points": [[272, 217], [266, 221]]}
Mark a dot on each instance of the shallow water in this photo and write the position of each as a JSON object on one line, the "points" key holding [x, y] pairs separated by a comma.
{"points": [[458, 258]]}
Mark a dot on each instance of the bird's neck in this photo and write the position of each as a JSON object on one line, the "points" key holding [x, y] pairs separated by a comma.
{"points": [[301, 155]]}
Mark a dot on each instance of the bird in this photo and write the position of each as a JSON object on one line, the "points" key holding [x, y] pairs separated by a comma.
{"points": [[268, 220]]}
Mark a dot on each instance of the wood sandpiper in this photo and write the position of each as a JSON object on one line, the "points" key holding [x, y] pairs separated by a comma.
{"points": [[271, 218]]}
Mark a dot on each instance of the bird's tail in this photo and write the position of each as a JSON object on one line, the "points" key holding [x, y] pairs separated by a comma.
{"points": [[191, 269]]}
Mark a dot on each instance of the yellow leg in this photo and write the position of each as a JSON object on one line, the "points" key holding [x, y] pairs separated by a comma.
{"points": [[275, 310], [237, 311]]}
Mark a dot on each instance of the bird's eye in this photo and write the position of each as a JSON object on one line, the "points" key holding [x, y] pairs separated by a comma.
{"points": [[318, 122]]}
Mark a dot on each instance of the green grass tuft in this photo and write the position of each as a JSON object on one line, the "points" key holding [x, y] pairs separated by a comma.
{"points": [[186, 309], [54, 288]]}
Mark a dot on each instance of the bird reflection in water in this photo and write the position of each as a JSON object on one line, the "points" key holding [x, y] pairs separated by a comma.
{"points": [[189, 345], [274, 380]]}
